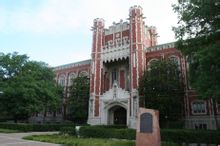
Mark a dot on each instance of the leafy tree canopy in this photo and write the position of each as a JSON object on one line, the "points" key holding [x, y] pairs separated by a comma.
{"points": [[198, 34], [78, 99], [161, 88], [27, 86]]}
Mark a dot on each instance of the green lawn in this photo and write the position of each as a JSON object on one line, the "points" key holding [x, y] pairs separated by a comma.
{"points": [[8, 131], [70, 140]]}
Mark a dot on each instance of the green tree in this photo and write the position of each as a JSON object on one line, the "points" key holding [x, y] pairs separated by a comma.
{"points": [[198, 35], [27, 86], [161, 88], [78, 99]]}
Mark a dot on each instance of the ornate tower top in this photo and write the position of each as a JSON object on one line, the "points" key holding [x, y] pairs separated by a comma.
{"points": [[99, 22], [135, 10]]}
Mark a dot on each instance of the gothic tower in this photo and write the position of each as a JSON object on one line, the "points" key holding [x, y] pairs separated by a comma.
{"points": [[96, 69], [137, 61]]}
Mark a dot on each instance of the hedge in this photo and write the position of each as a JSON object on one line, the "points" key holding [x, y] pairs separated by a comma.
{"points": [[171, 135], [33, 127], [191, 136], [102, 132], [111, 126], [68, 130]]}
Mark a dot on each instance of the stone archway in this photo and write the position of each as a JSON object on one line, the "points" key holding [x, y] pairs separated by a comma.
{"points": [[117, 115]]}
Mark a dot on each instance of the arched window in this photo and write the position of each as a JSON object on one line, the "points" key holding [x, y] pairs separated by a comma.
{"points": [[84, 73], [198, 107], [175, 59], [61, 80], [71, 76], [151, 62]]}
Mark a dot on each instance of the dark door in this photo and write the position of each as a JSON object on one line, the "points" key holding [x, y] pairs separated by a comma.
{"points": [[120, 116]]}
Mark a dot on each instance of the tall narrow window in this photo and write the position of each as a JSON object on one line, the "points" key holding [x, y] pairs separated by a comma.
{"points": [[114, 76], [61, 81]]}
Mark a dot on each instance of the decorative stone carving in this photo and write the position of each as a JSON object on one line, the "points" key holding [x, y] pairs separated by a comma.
{"points": [[135, 104], [115, 53], [115, 86], [115, 93]]}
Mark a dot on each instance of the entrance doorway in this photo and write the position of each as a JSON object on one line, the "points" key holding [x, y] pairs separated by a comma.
{"points": [[117, 116]]}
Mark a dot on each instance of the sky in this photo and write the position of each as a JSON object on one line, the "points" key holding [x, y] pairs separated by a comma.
{"points": [[59, 31]]}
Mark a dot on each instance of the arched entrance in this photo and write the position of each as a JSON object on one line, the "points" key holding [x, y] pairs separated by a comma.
{"points": [[117, 116]]}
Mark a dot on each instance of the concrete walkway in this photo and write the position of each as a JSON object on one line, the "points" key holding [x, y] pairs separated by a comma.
{"points": [[15, 139]]}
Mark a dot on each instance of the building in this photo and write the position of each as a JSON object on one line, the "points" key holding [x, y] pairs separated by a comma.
{"points": [[119, 56]]}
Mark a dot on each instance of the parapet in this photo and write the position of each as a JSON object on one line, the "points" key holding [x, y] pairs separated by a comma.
{"points": [[117, 27]]}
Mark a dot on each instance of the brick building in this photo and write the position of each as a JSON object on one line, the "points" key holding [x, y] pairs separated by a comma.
{"points": [[119, 55]]}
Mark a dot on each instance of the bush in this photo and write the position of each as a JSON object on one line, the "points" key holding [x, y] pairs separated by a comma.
{"points": [[170, 135], [111, 126], [68, 130], [102, 132], [33, 127], [191, 136]]}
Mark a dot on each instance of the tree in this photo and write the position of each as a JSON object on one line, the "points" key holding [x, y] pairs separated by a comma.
{"points": [[28, 86], [161, 88], [198, 35], [78, 99]]}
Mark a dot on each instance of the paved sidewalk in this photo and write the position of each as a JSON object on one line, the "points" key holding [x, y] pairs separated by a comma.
{"points": [[15, 139]]}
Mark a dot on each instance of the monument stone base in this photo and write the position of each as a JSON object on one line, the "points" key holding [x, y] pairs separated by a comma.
{"points": [[148, 129]]}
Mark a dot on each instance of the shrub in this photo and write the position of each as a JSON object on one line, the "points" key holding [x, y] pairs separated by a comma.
{"points": [[111, 126], [170, 135], [33, 127], [68, 130], [191, 136], [102, 132]]}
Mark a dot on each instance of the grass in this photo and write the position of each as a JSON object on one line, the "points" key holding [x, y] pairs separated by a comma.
{"points": [[71, 140], [8, 131]]}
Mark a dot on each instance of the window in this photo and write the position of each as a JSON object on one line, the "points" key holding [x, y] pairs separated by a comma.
{"points": [[200, 126], [71, 76], [114, 76], [152, 61], [61, 80], [83, 73], [176, 60], [198, 107]]}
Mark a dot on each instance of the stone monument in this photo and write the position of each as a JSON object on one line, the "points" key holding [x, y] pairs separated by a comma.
{"points": [[148, 129]]}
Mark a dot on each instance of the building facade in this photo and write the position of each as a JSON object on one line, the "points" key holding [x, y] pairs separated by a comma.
{"points": [[119, 55]]}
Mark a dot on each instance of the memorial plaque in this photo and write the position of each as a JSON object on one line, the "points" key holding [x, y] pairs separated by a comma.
{"points": [[146, 123], [148, 129]]}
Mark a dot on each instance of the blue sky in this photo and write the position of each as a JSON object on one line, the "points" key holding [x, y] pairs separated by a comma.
{"points": [[58, 31]]}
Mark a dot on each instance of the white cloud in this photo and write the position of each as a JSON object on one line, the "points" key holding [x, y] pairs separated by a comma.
{"points": [[63, 16]]}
